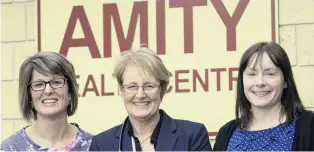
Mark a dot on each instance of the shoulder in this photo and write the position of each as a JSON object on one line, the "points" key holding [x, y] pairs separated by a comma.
{"points": [[85, 137], [193, 134], [84, 134], [104, 140], [304, 131], [226, 129], [14, 142], [185, 126], [305, 118], [308, 114], [189, 125], [224, 135], [229, 125], [190, 128], [110, 133], [83, 140]]}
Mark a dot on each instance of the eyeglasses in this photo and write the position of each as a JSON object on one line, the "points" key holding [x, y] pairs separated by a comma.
{"points": [[41, 85], [148, 88]]}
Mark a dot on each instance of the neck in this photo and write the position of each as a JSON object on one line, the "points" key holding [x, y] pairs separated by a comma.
{"points": [[53, 130], [266, 118], [144, 127]]}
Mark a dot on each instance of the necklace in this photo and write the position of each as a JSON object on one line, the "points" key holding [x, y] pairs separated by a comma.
{"points": [[145, 139]]}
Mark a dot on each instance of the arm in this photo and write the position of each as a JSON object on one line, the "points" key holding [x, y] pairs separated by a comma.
{"points": [[223, 136], [219, 140], [312, 135], [200, 140]]}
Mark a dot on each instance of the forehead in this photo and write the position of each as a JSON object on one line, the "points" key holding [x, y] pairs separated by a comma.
{"points": [[43, 75], [133, 74], [261, 61]]}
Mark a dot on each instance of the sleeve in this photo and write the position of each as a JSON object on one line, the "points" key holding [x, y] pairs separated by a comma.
{"points": [[8, 145], [312, 135], [4, 147], [13, 143], [219, 140], [223, 136], [201, 140]]}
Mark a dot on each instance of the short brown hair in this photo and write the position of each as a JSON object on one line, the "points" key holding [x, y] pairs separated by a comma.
{"points": [[147, 61], [45, 62]]}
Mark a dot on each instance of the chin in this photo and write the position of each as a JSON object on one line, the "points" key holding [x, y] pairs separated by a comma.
{"points": [[51, 113], [142, 115], [261, 105]]}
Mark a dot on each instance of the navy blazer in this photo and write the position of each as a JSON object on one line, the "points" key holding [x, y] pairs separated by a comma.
{"points": [[174, 135]]}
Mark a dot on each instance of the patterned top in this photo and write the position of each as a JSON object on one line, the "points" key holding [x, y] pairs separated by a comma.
{"points": [[20, 141], [279, 138]]}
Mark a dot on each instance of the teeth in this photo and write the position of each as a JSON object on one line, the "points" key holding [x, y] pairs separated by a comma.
{"points": [[141, 103], [262, 93], [49, 101]]}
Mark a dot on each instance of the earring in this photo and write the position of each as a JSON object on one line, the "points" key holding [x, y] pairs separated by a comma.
{"points": [[285, 86], [71, 106], [70, 103]]}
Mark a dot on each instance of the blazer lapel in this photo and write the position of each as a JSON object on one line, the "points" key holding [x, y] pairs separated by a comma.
{"points": [[167, 139], [126, 143], [115, 144]]}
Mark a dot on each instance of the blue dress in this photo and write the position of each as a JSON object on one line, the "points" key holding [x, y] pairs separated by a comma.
{"points": [[279, 138]]}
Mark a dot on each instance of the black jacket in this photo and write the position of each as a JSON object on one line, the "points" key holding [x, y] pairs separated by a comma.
{"points": [[303, 138], [174, 135]]}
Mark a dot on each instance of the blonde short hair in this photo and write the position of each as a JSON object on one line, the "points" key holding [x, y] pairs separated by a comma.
{"points": [[146, 61]]}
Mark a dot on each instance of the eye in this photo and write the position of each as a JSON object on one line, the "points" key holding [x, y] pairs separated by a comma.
{"points": [[251, 74], [38, 84], [57, 82], [149, 86], [131, 87], [270, 73]]}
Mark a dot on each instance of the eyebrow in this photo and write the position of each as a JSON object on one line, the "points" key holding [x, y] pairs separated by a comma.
{"points": [[49, 80], [145, 83], [267, 69]]}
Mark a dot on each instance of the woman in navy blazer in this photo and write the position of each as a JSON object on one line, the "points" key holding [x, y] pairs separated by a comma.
{"points": [[143, 80]]}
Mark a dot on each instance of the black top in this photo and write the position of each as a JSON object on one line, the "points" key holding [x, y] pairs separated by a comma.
{"points": [[153, 138], [303, 138]]}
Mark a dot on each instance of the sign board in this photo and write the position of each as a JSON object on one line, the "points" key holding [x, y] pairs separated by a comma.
{"points": [[200, 41]]}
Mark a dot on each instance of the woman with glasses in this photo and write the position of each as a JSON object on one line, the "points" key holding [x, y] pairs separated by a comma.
{"points": [[47, 96], [143, 81]]}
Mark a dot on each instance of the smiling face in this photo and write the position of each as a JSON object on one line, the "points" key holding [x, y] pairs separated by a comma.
{"points": [[49, 102], [140, 104], [263, 82]]}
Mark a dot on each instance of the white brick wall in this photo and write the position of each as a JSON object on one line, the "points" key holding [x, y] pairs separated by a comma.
{"points": [[17, 42], [296, 35]]}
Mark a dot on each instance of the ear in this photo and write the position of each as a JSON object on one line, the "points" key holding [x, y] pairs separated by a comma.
{"points": [[285, 85], [120, 91]]}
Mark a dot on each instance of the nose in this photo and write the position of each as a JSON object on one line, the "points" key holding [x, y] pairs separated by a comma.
{"points": [[48, 89], [140, 93], [260, 81]]}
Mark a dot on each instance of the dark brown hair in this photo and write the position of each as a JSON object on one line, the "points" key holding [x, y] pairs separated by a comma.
{"points": [[290, 99]]}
